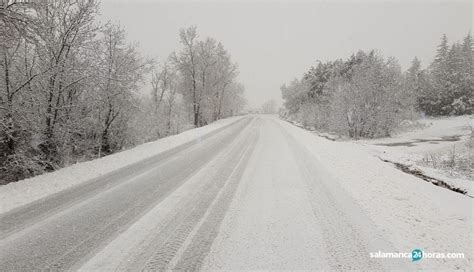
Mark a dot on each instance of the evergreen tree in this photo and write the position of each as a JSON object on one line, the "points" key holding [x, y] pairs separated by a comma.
{"points": [[453, 92], [415, 68], [415, 85], [451, 89], [441, 53], [467, 74]]}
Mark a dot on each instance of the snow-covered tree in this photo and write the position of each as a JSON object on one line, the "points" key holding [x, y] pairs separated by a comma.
{"points": [[362, 96], [207, 73], [450, 90], [70, 87]]}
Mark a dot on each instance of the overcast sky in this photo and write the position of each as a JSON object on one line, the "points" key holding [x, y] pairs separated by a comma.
{"points": [[275, 41]]}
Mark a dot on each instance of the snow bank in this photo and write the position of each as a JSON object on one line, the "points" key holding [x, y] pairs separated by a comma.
{"points": [[410, 212], [19, 193]]}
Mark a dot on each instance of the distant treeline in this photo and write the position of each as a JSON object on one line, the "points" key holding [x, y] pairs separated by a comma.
{"points": [[369, 96], [70, 87]]}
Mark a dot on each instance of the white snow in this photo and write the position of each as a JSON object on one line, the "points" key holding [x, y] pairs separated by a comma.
{"points": [[430, 141], [412, 213], [123, 251], [19, 193], [270, 224]]}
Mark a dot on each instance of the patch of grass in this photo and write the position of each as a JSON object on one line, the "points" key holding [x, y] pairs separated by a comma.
{"points": [[458, 162]]}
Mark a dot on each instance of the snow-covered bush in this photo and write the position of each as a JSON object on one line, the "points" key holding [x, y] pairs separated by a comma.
{"points": [[360, 97], [369, 103]]}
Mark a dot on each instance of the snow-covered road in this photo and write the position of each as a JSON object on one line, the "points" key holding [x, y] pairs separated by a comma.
{"points": [[257, 194]]}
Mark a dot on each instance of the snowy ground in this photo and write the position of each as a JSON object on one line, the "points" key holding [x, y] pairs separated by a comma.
{"points": [[409, 212], [439, 147], [26, 191], [303, 202], [260, 194]]}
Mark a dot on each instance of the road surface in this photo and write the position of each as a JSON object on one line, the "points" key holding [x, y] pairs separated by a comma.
{"points": [[248, 196]]}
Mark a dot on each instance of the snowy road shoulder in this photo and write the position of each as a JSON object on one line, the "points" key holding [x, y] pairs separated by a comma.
{"points": [[19, 193], [409, 211]]}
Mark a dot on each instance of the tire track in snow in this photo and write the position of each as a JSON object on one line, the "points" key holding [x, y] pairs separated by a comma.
{"points": [[134, 247], [69, 237], [170, 240], [198, 245], [349, 235], [25, 216]]}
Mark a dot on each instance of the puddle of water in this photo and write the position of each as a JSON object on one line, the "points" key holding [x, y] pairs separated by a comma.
{"points": [[398, 144], [452, 138]]}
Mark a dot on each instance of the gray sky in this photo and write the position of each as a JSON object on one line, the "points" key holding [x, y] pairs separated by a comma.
{"points": [[274, 42]]}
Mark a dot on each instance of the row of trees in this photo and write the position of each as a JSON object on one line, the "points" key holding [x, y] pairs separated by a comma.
{"points": [[69, 87], [195, 85], [369, 96]]}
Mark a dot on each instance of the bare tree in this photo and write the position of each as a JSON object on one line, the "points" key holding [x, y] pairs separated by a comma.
{"points": [[124, 69], [187, 63], [163, 87]]}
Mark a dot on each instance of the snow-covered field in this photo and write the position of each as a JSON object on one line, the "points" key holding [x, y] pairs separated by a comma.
{"points": [[26, 191], [441, 148]]}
